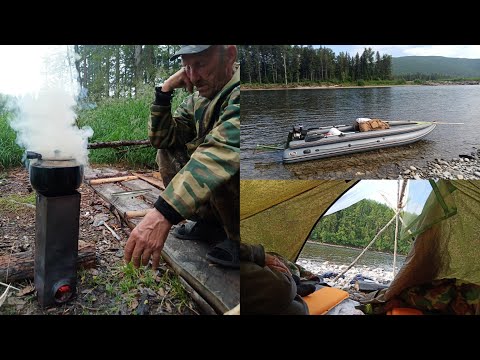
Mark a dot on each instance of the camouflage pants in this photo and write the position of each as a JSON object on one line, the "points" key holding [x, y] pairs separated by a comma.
{"points": [[223, 209], [445, 296]]}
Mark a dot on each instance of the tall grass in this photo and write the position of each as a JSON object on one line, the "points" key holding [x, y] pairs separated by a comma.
{"points": [[111, 120], [10, 153], [122, 119]]}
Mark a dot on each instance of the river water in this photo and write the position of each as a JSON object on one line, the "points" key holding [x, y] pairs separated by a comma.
{"points": [[268, 115], [319, 253]]}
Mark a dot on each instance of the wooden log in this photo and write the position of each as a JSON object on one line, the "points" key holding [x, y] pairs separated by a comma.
{"points": [[111, 144], [157, 175], [107, 175], [121, 203], [112, 179], [20, 266], [151, 180], [205, 308], [136, 213], [234, 311], [151, 196]]}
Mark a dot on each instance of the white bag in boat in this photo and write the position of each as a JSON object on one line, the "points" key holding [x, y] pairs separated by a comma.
{"points": [[360, 120], [333, 131]]}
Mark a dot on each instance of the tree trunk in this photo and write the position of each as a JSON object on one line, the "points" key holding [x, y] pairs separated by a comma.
{"points": [[107, 71], [138, 66], [85, 69], [117, 71], [77, 65], [260, 71]]}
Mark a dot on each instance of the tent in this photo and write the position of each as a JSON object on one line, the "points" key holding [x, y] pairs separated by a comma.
{"points": [[280, 214]]}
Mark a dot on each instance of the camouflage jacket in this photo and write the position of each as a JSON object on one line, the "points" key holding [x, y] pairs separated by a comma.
{"points": [[214, 155]]}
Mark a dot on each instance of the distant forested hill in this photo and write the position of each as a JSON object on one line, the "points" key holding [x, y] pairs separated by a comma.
{"points": [[450, 67], [358, 224]]}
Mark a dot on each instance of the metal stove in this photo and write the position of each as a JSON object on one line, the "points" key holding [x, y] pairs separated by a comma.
{"points": [[56, 181]]}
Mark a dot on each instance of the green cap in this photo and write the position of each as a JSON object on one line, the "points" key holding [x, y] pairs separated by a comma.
{"points": [[189, 49]]}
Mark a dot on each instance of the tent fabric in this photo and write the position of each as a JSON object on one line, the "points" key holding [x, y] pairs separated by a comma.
{"points": [[449, 246], [280, 214], [259, 195]]}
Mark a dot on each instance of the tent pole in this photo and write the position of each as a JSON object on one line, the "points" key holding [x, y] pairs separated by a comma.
{"points": [[396, 230], [370, 244], [400, 195]]}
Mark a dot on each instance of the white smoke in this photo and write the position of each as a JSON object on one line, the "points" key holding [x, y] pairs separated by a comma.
{"points": [[45, 124]]}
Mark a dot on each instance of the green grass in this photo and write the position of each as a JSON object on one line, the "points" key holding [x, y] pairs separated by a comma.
{"points": [[12, 203], [122, 285], [10, 152], [111, 120], [122, 119]]}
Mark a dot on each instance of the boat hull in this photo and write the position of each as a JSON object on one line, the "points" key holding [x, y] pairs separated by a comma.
{"points": [[355, 142]]}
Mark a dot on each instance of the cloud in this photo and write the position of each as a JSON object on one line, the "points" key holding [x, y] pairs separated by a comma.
{"points": [[455, 51]]}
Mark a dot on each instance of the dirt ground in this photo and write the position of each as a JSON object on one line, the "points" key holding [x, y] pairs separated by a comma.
{"points": [[111, 287]]}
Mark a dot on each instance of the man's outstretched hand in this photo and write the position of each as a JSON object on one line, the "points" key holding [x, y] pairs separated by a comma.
{"points": [[147, 240]]}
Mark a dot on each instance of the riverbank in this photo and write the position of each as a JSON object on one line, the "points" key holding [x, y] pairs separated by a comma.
{"points": [[314, 87], [464, 167], [352, 86]]}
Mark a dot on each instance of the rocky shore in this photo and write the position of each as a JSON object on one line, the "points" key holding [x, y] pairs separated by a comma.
{"points": [[465, 167], [347, 281], [379, 275]]}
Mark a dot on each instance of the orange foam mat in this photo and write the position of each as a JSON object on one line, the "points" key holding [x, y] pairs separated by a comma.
{"points": [[324, 299]]}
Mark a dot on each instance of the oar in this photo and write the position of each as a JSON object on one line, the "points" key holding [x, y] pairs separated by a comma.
{"points": [[447, 123], [419, 121], [269, 147]]}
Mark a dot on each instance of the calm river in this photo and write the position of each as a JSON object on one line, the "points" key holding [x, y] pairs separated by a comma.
{"points": [[268, 115], [344, 256]]}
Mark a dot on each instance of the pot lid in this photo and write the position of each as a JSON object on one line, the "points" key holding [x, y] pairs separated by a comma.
{"points": [[36, 159], [57, 156]]}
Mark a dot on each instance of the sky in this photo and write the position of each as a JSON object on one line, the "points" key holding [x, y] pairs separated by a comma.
{"points": [[455, 51], [25, 69], [385, 192]]}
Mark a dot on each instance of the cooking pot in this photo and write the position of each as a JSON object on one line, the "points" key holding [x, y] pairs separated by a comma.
{"points": [[54, 176]]}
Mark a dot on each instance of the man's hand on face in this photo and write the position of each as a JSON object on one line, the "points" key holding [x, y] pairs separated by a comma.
{"points": [[177, 81], [147, 240]]}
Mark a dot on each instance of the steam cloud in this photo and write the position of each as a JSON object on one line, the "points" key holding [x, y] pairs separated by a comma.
{"points": [[46, 124]]}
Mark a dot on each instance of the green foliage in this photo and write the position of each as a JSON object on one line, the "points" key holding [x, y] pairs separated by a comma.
{"points": [[435, 66], [120, 71], [123, 119], [357, 225], [360, 82], [124, 282], [119, 119], [111, 120], [285, 64], [10, 153]]}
